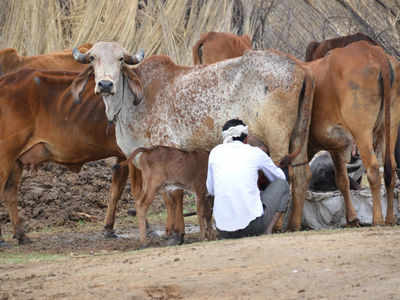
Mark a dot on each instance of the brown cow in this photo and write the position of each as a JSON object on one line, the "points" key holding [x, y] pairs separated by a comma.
{"points": [[216, 46], [356, 88], [40, 121], [10, 61], [161, 103], [334, 131], [367, 88], [166, 168], [317, 50]]}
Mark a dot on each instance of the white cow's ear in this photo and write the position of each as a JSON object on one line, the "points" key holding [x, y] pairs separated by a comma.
{"points": [[79, 83], [134, 84]]}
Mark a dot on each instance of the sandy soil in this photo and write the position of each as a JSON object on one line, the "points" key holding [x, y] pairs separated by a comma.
{"points": [[70, 259], [342, 264]]}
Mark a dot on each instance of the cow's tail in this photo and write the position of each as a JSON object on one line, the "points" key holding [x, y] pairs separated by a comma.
{"points": [[130, 158], [386, 79], [197, 50], [135, 173], [303, 118]]}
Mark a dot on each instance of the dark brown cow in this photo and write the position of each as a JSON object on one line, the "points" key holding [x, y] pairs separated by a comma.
{"points": [[166, 168], [216, 46], [317, 50]]}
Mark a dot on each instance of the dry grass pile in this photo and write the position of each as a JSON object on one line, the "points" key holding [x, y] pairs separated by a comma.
{"points": [[169, 27]]}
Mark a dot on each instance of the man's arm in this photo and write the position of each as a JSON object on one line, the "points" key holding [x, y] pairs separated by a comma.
{"points": [[268, 167], [210, 180]]}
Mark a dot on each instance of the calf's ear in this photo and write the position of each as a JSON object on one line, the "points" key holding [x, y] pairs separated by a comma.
{"points": [[134, 84], [79, 83]]}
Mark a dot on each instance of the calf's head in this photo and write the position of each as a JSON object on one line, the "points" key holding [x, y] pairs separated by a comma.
{"points": [[109, 62]]}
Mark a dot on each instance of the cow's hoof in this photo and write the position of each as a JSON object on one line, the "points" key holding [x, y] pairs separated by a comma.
{"points": [[24, 240], [390, 223], [353, 223], [176, 239], [110, 234], [390, 220]]}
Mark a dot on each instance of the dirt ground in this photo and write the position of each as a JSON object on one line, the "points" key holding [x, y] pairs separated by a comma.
{"points": [[70, 259], [341, 264]]}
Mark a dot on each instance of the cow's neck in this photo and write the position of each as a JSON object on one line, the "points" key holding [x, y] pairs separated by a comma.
{"points": [[124, 127]]}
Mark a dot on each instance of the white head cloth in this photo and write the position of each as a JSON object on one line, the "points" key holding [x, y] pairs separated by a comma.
{"points": [[234, 131]]}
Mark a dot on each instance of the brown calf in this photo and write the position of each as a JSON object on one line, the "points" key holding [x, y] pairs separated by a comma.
{"points": [[170, 168]]}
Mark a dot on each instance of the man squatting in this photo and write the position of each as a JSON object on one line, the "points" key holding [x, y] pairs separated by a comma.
{"points": [[240, 208]]}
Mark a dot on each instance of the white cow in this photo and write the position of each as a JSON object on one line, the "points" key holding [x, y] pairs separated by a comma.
{"points": [[161, 103]]}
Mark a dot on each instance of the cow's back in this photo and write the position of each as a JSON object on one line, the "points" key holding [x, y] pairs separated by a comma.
{"points": [[217, 46], [10, 61], [261, 87]]}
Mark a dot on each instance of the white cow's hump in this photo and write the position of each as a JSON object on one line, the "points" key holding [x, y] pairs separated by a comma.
{"points": [[216, 93], [188, 111]]}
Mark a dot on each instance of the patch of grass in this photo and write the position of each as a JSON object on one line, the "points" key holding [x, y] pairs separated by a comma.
{"points": [[12, 258]]}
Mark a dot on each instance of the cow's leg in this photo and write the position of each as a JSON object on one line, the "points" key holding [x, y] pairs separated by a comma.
{"points": [[343, 184], [397, 155], [10, 194], [119, 177], [300, 181], [390, 218], [372, 167]]}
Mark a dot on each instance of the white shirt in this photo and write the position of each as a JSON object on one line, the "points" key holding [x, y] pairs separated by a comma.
{"points": [[232, 179]]}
